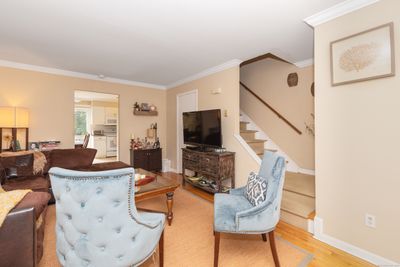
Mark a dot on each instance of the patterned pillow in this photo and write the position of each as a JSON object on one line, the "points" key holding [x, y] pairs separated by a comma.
{"points": [[256, 189]]}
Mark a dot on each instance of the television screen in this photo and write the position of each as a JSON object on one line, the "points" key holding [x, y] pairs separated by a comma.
{"points": [[202, 128]]}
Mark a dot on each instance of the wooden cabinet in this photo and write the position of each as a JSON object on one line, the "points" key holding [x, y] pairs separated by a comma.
{"points": [[148, 159], [213, 166]]}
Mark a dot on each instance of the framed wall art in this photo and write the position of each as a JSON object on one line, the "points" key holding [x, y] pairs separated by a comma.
{"points": [[363, 56]]}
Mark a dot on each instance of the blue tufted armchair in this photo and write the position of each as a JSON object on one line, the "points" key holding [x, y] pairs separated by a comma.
{"points": [[97, 223], [233, 213]]}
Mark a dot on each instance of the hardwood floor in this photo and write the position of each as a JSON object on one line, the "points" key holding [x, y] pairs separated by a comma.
{"points": [[324, 255]]}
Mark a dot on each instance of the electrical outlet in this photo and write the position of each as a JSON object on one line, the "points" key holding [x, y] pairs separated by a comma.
{"points": [[370, 220]]}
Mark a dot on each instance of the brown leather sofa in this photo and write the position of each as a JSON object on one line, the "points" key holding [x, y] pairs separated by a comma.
{"points": [[22, 233], [19, 169]]}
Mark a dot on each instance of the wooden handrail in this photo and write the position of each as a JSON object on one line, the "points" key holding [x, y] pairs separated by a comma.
{"points": [[262, 57], [271, 108]]}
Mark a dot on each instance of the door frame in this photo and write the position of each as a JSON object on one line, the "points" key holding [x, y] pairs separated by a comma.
{"points": [[196, 93], [119, 115]]}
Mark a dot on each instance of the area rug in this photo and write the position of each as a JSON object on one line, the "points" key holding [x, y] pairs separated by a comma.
{"points": [[189, 241]]}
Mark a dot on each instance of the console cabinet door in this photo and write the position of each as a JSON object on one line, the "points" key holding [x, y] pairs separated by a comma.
{"points": [[154, 160], [149, 159], [139, 159]]}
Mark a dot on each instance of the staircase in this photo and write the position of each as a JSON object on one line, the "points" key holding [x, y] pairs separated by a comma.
{"points": [[298, 201]]}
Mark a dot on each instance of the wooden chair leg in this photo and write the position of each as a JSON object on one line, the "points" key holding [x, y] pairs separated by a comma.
{"points": [[273, 248], [264, 237], [216, 247], [161, 249]]}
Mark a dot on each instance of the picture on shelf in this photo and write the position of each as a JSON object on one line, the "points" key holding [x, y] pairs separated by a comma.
{"points": [[34, 146], [144, 107]]}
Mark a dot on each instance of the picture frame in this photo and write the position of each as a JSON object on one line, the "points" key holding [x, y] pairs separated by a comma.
{"points": [[144, 107], [34, 146], [363, 56]]}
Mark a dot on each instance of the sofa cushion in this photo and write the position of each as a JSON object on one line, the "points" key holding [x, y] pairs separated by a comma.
{"points": [[38, 200], [36, 183], [15, 166], [72, 158]]}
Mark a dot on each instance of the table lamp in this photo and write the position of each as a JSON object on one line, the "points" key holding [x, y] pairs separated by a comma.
{"points": [[14, 118]]}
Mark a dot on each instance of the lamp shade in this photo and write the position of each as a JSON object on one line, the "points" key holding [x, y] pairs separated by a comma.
{"points": [[21, 118], [12, 117], [7, 117]]}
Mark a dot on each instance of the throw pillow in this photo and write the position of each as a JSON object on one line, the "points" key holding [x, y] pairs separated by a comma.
{"points": [[256, 189]]}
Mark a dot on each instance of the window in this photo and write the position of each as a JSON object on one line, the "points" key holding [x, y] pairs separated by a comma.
{"points": [[82, 122]]}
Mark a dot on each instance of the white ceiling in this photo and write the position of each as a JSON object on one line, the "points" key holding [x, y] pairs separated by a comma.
{"points": [[153, 41]]}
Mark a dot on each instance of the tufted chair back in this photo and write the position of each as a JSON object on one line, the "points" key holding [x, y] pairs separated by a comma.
{"points": [[273, 168], [97, 222]]}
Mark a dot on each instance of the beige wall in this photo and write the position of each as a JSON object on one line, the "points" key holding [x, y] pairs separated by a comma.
{"points": [[268, 79], [228, 81], [357, 142], [50, 100]]}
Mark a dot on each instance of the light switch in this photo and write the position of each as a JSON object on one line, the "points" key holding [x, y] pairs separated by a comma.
{"points": [[216, 91]]}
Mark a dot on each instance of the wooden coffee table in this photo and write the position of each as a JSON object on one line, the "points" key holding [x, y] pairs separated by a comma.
{"points": [[158, 187]]}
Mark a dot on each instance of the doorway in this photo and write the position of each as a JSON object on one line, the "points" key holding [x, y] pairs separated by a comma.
{"points": [[184, 102], [96, 124]]}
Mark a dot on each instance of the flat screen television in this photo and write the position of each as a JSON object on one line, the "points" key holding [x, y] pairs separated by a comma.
{"points": [[202, 128]]}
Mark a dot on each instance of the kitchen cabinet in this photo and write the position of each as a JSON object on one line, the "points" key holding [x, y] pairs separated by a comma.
{"points": [[104, 115], [100, 143], [98, 115], [111, 116]]}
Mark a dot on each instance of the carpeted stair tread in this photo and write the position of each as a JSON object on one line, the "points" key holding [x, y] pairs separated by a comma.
{"points": [[300, 183], [255, 141]]}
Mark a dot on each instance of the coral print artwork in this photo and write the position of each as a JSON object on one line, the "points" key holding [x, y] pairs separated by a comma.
{"points": [[363, 56]]}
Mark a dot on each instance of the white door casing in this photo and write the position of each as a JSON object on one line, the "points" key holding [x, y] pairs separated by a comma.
{"points": [[185, 102]]}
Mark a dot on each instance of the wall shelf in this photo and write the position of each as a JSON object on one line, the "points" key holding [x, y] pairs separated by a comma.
{"points": [[145, 113]]}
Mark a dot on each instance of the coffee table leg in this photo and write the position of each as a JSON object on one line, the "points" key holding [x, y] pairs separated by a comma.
{"points": [[170, 202]]}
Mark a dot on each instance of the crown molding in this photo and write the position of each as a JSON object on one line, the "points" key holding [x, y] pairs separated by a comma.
{"points": [[337, 11], [227, 65], [22, 66], [304, 63]]}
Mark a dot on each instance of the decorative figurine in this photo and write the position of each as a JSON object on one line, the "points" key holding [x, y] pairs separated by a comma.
{"points": [[157, 143]]}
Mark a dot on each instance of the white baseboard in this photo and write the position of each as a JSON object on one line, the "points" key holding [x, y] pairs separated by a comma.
{"points": [[173, 170], [310, 226], [349, 248]]}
